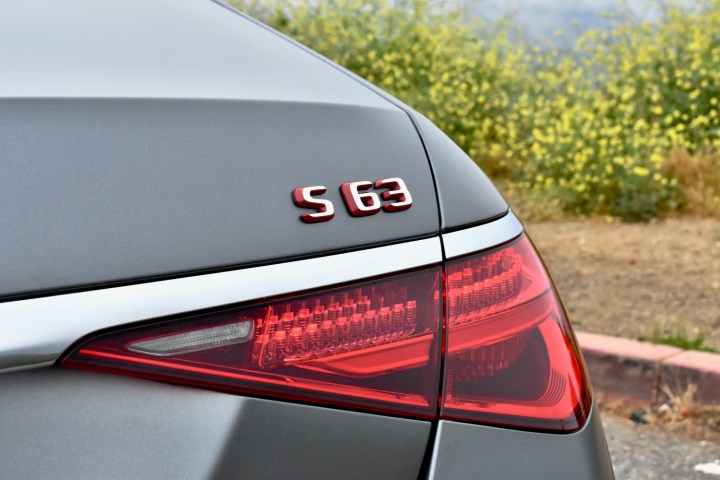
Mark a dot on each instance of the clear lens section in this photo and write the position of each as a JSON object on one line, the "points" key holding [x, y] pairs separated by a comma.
{"points": [[372, 345], [195, 340], [511, 358]]}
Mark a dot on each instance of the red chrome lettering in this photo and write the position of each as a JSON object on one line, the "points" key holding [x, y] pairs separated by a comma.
{"points": [[359, 198], [398, 191], [303, 198], [358, 202]]}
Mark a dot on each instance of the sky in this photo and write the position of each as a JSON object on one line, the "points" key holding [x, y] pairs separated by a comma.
{"points": [[541, 18]]}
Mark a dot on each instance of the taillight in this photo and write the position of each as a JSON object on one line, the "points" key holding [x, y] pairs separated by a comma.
{"points": [[510, 356], [372, 345]]}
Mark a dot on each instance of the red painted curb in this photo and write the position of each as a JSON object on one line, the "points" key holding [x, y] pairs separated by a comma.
{"points": [[625, 368]]}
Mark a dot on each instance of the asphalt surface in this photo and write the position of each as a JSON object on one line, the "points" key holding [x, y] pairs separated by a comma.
{"points": [[643, 452]]}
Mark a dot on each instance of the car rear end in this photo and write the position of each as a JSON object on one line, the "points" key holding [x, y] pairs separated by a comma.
{"points": [[224, 256]]}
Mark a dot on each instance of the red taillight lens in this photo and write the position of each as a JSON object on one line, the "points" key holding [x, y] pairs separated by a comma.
{"points": [[510, 356], [373, 345]]}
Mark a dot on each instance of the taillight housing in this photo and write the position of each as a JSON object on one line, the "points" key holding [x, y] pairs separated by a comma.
{"points": [[510, 355], [372, 345], [507, 351]]}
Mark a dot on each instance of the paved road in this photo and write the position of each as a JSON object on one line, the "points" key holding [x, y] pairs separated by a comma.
{"points": [[641, 452]]}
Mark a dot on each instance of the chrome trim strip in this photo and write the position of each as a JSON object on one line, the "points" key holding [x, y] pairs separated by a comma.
{"points": [[481, 237], [35, 332]]}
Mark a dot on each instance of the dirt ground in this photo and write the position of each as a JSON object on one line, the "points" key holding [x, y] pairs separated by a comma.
{"points": [[637, 280]]}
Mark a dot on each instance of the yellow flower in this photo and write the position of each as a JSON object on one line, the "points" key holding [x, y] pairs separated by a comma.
{"points": [[641, 171]]}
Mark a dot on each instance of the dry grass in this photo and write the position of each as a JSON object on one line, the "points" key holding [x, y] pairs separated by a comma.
{"points": [[681, 412], [699, 178], [680, 406], [660, 279], [678, 412]]}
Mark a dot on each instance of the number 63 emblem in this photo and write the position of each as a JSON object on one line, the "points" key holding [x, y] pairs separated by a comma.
{"points": [[361, 199]]}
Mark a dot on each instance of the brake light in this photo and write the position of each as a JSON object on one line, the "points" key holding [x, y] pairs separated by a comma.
{"points": [[511, 358], [373, 345]]}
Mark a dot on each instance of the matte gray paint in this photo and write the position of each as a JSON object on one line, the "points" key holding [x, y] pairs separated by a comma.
{"points": [[464, 451], [465, 193], [66, 424], [182, 49], [96, 191], [166, 137]]}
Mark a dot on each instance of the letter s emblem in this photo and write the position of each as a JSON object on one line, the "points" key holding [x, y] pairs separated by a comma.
{"points": [[303, 198]]}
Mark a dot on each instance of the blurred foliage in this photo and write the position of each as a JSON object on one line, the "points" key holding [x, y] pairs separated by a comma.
{"points": [[613, 126]]}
